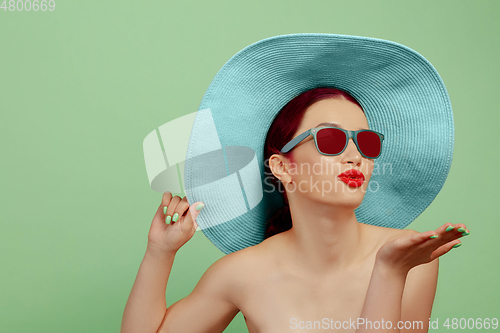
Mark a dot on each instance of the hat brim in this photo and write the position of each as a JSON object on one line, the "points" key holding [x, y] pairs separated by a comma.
{"points": [[402, 96]]}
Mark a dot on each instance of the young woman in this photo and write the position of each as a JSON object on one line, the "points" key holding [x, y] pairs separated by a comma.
{"points": [[318, 267]]}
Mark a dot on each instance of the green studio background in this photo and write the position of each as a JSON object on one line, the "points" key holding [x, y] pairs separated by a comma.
{"points": [[81, 87]]}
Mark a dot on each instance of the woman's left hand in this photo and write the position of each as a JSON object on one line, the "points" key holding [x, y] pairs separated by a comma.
{"points": [[406, 252]]}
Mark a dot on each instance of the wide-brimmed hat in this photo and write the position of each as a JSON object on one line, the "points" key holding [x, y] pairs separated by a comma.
{"points": [[400, 92]]}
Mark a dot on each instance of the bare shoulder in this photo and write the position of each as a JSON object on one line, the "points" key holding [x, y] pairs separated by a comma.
{"points": [[234, 264], [216, 298], [244, 260], [385, 234], [237, 269]]}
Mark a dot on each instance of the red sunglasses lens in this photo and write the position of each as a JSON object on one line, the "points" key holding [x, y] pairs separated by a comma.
{"points": [[369, 143], [331, 140]]}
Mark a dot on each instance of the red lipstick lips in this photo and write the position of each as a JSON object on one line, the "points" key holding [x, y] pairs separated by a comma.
{"points": [[352, 177]]}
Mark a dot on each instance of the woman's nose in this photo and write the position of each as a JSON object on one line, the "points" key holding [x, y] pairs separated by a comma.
{"points": [[351, 153]]}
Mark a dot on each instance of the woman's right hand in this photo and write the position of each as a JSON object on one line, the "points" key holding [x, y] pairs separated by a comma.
{"points": [[415, 249], [170, 237]]}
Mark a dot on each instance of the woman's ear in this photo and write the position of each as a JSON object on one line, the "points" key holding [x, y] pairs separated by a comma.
{"points": [[280, 168]]}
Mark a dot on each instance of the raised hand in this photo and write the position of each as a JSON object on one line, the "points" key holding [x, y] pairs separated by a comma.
{"points": [[171, 236], [406, 252]]}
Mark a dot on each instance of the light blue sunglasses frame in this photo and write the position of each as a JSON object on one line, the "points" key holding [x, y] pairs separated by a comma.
{"points": [[349, 134]]}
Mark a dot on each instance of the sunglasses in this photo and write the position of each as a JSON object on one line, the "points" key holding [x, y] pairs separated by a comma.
{"points": [[333, 141]]}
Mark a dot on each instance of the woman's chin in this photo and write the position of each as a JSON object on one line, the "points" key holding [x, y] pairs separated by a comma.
{"points": [[342, 200]]}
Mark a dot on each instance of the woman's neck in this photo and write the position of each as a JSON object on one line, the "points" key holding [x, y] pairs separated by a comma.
{"points": [[325, 238]]}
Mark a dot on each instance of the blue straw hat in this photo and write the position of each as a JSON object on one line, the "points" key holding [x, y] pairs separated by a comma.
{"points": [[402, 96]]}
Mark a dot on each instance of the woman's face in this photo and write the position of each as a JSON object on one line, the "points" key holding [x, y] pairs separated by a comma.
{"points": [[315, 175]]}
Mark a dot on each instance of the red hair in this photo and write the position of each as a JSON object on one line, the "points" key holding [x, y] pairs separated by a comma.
{"points": [[281, 131]]}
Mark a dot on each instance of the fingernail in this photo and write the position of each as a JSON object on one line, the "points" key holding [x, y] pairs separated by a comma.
{"points": [[450, 228], [460, 229], [176, 216], [457, 245], [168, 219], [465, 233], [200, 206], [434, 236], [165, 210]]}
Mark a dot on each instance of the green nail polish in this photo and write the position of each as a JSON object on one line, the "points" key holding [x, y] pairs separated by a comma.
{"points": [[165, 210], [450, 228], [457, 245], [176, 216], [168, 219], [465, 233], [460, 229], [200, 206], [434, 236]]}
